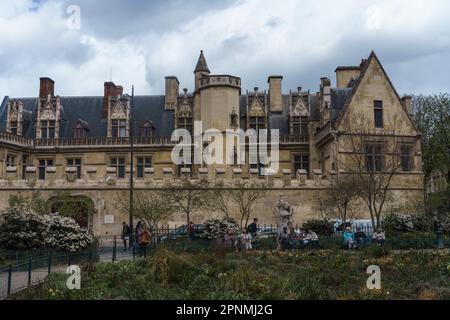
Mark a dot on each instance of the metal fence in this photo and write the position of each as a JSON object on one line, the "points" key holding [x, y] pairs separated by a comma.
{"points": [[28, 268]]}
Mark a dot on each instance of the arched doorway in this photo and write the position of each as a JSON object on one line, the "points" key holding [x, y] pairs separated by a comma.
{"points": [[81, 208]]}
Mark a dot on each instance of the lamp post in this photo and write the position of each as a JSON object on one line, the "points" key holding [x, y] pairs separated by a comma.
{"points": [[132, 165]]}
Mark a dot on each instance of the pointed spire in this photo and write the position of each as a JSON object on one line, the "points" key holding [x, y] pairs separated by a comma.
{"points": [[202, 66]]}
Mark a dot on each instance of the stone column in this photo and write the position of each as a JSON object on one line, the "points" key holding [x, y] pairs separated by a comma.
{"points": [[185, 174], [287, 177], [317, 176], [301, 176], [203, 174]]}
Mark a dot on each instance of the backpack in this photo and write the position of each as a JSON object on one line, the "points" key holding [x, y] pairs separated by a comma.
{"points": [[145, 238]]}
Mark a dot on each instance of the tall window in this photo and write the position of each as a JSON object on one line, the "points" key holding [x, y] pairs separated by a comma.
{"points": [[300, 126], [378, 113], [142, 163], [374, 158], [10, 161], [43, 164], [119, 128], [301, 162], [48, 129], [406, 157], [13, 127], [257, 123], [119, 164], [185, 123], [77, 164], [24, 166]]}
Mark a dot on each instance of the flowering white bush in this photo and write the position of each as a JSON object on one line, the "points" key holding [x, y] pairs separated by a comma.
{"points": [[399, 222], [24, 230], [215, 228], [64, 233]]}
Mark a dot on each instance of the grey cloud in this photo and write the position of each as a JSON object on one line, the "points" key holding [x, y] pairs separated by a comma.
{"points": [[115, 19]]}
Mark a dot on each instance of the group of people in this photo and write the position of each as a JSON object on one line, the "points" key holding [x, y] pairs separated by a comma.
{"points": [[243, 240], [289, 238], [141, 238], [359, 238]]}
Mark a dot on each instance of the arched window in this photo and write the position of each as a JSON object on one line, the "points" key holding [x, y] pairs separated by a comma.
{"points": [[147, 129]]}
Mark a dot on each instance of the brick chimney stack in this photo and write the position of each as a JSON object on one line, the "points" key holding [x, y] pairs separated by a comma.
{"points": [[111, 90], [47, 87]]}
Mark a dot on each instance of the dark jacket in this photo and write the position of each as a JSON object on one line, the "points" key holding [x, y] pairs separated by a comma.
{"points": [[126, 231], [253, 228]]}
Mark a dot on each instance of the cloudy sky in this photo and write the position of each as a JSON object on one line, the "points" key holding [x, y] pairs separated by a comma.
{"points": [[139, 42]]}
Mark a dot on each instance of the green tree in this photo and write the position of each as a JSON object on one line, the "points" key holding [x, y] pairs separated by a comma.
{"points": [[431, 114]]}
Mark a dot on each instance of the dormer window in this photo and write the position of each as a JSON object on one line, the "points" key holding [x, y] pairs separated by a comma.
{"points": [[119, 128], [48, 129], [257, 123], [147, 129], [13, 127], [80, 130], [300, 126]]}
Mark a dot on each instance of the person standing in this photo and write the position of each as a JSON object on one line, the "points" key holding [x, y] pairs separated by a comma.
{"points": [[247, 239], [253, 228], [144, 240], [126, 232]]}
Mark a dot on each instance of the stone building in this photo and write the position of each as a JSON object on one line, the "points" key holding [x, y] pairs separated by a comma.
{"points": [[81, 145]]}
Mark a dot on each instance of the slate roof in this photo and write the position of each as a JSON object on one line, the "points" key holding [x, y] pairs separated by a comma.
{"points": [[338, 99], [202, 66], [88, 110]]}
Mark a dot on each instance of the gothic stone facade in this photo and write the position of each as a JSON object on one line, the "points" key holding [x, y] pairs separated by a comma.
{"points": [[80, 145]]}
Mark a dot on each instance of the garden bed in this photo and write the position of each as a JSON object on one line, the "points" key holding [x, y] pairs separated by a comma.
{"points": [[319, 274]]}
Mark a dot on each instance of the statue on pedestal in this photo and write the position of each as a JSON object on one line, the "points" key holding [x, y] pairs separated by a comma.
{"points": [[284, 215]]}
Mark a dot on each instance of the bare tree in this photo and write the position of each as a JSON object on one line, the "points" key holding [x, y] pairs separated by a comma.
{"points": [[372, 156], [245, 194], [151, 206], [220, 199], [188, 196], [341, 199]]}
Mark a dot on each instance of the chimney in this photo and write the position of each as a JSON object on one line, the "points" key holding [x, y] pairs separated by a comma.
{"points": [[275, 98], [407, 104], [111, 90], [47, 87], [172, 90], [344, 75]]}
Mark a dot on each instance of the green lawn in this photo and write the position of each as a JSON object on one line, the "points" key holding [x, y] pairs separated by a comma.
{"points": [[328, 274]]}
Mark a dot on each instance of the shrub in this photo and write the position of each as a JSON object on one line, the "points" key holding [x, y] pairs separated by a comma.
{"points": [[442, 222], [25, 230], [408, 223], [65, 233], [398, 222], [22, 230], [215, 228], [321, 227]]}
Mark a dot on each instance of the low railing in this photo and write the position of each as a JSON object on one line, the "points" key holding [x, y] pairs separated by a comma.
{"points": [[15, 139], [104, 142]]}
